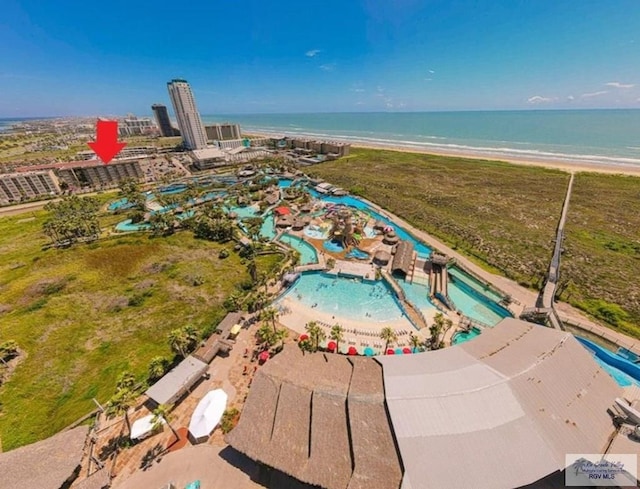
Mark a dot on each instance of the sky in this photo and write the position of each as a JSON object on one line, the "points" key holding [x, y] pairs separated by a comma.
{"points": [[254, 56]]}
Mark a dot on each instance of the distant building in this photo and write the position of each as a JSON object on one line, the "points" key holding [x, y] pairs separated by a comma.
{"points": [[16, 187], [92, 173], [207, 158], [189, 122], [162, 120], [135, 126], [223, 132], [126, 152], [333, 149]]}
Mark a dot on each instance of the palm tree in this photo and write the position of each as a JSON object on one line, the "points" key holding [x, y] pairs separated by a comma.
{"points": [[270, 315], [281, 335], [337, 335], [388, 334], [157, 367], [316, 334], [440, 326], [183, 340], [267, 335], [161, 413], [123, 400], [415, 343]]}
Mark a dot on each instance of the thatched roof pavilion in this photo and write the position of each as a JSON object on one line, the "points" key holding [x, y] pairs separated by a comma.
{"points": [[379, 225], [329, 446], [403, 259], [305, 208], [390, 238], [298, 223], [381, 257], [47, 464], [439, 259], [284, 221]]}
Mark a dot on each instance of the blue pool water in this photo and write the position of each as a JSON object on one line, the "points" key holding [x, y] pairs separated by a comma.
{"points": [[307, 252], [622, 370], [422, 249], [475, 305], [357, 254], [128, 226], [347, 297], [284, 183], [472, 282], [248, 211], [333, 246], [464, 336], [120, 204], [418, 295], [268, 228]]}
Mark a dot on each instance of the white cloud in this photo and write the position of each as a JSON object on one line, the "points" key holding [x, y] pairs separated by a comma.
{"points": [[428, 79], [619, 85], [312, 53], [571, 98], [328, 67], [431, 71], [594, 94], [539, 99], [357, 90]]}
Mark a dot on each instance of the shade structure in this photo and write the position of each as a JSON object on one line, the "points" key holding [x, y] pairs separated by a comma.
{"points": [[332, 345], [143, 427], [208, 413], [282, 211], [235, 329], [303, 337], [382, 257], [368, 351], [391, 351], [352, 351], [406, 350], [399, 351]]}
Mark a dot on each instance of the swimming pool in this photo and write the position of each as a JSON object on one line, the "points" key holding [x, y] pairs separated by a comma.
{"points": [[464, 336], [474, 283], [355, 299], [248, 211], [284, 182], [127, 226], [307, 252], [333, 246], [120, 204], [474, 304], [357, 254], [268, 228], [418, 295], [622, 370]]}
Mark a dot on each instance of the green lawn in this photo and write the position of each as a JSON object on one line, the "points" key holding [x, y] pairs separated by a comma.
{"points": [[74, 312], [602, 249], [503, 216]]}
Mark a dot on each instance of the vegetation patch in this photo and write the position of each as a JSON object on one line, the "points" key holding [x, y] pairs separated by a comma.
{"points": [[601, 263]]}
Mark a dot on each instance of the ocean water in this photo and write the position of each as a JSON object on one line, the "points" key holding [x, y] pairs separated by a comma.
{"points": [[590, 136]]}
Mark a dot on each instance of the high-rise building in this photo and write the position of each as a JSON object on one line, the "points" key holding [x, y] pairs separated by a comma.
{"points": [[162, 119], [189, 122], [137, 126], [223, 132]]}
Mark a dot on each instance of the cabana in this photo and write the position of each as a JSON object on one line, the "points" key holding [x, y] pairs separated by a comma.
{"points": [[381, 257], [284, 221], [390, 238], [177, 381], [282, 210]]}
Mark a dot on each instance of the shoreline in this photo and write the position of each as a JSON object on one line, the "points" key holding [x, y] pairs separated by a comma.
{"points": [[549, 162]]}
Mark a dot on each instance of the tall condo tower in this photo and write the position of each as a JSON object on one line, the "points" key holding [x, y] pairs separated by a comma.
{"points": [[189, 122], [162, 119]]}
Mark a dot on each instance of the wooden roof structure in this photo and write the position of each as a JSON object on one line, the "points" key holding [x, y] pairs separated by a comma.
{"points": [[322, 419], [403, 258]]}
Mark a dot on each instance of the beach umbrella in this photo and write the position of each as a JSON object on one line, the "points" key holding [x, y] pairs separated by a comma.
{"points": [[352, 351], [406, 350], [368, 351], [391, 351], [264, 356], [332, 345], [208, 413], [399, 351], [303, 337], [143, 427]]}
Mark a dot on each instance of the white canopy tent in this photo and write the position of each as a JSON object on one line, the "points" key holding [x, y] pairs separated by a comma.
{"points": [[208, 413], [143, 427]]}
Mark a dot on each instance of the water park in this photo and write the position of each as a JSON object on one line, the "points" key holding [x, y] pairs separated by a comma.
{"points": [[353, 265]]}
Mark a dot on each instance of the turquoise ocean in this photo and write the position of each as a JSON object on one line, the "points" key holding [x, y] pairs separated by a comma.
{"points": [[578, 136]]}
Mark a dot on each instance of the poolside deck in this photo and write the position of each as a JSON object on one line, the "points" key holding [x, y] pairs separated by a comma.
{"points": [[353, 269]]}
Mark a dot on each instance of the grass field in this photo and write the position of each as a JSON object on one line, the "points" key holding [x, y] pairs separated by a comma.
{"points": [[84, 315], [602, 249], [501, 215]]}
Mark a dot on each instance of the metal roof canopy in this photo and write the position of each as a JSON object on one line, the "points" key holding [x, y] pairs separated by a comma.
{"points": [[177, 381], [508, 406]]}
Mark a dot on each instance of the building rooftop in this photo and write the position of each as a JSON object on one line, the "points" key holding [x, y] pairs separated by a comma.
{"points": [[177, 381], [47, 464], [207, 153]]}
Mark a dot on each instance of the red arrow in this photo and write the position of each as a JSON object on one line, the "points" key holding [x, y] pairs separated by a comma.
{"points": [[106, 144]]}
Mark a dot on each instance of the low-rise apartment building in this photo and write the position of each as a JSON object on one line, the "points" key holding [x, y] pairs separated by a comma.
{"points": [[17, 187]]}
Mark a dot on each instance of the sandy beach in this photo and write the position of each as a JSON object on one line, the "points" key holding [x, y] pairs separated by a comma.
{"points": [[543, 161]]}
